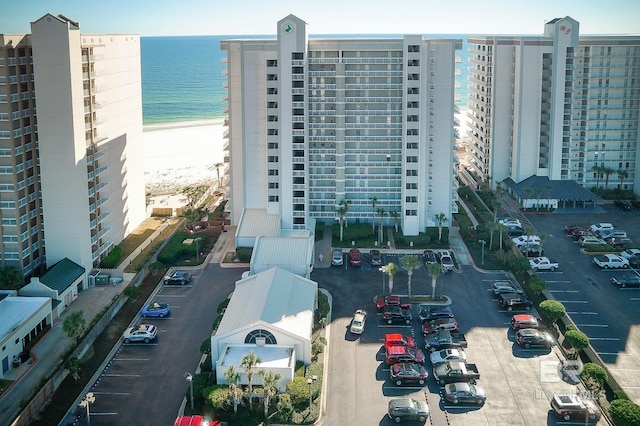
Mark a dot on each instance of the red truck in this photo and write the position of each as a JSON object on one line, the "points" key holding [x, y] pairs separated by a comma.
{"points": [[391, 300]]}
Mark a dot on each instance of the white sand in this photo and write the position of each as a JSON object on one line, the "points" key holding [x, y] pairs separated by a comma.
{"points": [[181, 154]]}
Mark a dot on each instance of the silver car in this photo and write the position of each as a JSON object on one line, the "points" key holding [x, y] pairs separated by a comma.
{"points": [[337, 259]]}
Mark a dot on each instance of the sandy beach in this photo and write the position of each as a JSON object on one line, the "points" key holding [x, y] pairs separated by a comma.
{"points": [[181, 154]]}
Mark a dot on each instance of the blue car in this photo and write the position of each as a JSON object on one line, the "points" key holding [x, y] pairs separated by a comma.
{"points": [[158, 310]]}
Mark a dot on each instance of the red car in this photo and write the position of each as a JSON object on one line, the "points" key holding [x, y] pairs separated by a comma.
{"points": [[581, 232], [449, 324], [396, 354], [520, 321], [391, 300], [397, 339], [355, 259]]}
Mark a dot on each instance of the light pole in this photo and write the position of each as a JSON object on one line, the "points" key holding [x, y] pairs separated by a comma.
{"points": [[88, 399], [189, 378], [310, 381], [197, 251], [482, 243], [382, 270]]}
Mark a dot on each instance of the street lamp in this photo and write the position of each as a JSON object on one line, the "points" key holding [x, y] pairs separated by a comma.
{"points": [[382, 270], [197, 251], [189, 378], [310, 381], [482, 243], [88, 399]]}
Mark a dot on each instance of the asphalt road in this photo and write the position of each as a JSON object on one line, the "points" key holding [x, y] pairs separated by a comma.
{"points": [[152, 375]]}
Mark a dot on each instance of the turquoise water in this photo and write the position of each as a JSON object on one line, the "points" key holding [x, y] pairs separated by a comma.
{"points": [[182, 77]]}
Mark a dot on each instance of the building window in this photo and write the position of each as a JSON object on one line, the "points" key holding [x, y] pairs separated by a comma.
{"points": [[273, 185], [412, 132], [412, 173], [297, 56], [411, 213], [269, 338], [412, 186], [273, 172], [412, 159], [411, 199], [273, 198]]}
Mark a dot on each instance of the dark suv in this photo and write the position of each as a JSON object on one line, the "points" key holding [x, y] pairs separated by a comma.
{"points": [[395, 314], [408, 409], [533, 337], [511, 301], [178, 278], [434, 312]]}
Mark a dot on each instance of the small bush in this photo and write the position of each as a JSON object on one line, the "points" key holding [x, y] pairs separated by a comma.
{"points": [[222, 306], [205, 346], [624, 413], [112, 260], [244, 254], [298, 390], [206, 366], [320, 230]]}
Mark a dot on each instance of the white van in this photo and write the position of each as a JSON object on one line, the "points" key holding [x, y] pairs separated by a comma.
{"points": [[526, 241], [587, 240], [599, 227]]}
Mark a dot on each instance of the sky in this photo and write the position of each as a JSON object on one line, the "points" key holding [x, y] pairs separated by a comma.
{"points": [[259, 17]]}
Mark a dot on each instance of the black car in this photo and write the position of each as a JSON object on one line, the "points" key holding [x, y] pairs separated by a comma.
{"points": [[511, 301], [178, 278], [533, 337], [408, 409], [408, 372], [429, 257], [634, 262], [515, 231], [395, 314], [376, 257], [622, 204], [434, 312], [627, 280]]}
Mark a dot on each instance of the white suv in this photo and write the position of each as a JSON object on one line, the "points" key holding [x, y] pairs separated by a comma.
{"points": [[141, 333], [599, 227]]}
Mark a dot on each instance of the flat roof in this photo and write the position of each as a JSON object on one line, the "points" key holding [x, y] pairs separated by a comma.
{"points": [[15, 310], [272, 356], [256, 222], [283, 251]]}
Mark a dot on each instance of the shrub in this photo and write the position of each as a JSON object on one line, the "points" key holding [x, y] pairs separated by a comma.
{"points": [[537, 284], [298, 390], [284, 406], [244, 254], [595, 372], [552, 310], [577, 339], [112, 260], [320, 230], [206, 366], [222, 306], [205, 347], [323, 307], [217, 396], [624, 413]]}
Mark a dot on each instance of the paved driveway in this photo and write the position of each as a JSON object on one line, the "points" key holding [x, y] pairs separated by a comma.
{"points": [[517, 381]]}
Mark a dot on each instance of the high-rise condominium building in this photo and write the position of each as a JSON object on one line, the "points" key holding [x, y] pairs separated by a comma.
{"points": [[71, 181], [314, 122], [559, 105]]}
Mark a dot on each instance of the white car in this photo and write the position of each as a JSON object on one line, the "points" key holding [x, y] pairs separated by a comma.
{"points": [[599, 227], [447, 355], [526, 241], [141, 333], [629, 253], [609, 260], [587, 240], [357, 323], [510, 222]]}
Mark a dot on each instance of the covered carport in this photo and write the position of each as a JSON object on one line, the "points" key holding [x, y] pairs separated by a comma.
{"points": [[541, 192]]}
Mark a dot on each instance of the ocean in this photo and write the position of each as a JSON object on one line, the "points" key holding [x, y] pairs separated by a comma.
{"points": [[182, 77]]}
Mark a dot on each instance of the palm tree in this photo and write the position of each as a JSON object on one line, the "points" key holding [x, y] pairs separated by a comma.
{"points": [[233, 379], [382, 213], [410, 263], [542, 239], [441, 218], [217, 166], [345, 204], [501, 229], [598, 171], [622, 174], [493, 227], [390, 269], [269, 384], [341, 211], [527, 192], [249, 363], [373, 200], [395, 215], [607, 172], [434, 270], [538, 193], [549, 189]]}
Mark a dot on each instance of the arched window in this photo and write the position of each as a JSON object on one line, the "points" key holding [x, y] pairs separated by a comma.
{"points": [[269, 338]]}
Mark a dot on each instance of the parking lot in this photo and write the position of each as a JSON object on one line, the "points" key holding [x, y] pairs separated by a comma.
{"points": [[518, 382], [152, 375]]}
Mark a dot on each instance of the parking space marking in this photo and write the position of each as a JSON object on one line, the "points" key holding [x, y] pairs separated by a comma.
{"points": [[573, 301], [581, 313], [111, 393], [558, 282], [564, 291], [93, 413], [173, 295], [634, 298], [120, 375], [394, 325], [605, 338], [592, 325], [131, 359]]}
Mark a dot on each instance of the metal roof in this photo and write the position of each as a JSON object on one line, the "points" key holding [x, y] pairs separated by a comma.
{"points": [[62, 275], [283, 251], [256, 222], [568, 190], [277, 297]]}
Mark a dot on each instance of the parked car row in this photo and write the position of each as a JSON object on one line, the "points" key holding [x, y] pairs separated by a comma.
{"points": [[599, 234], [443, 257]]}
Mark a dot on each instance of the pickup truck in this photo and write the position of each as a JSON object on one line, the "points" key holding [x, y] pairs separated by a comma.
{"points": [[543, 264], [455, 371], [391, 300], [444, 339]]}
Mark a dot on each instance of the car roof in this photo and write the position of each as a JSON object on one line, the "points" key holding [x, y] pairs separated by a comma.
{"points": [[524, 317]]}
